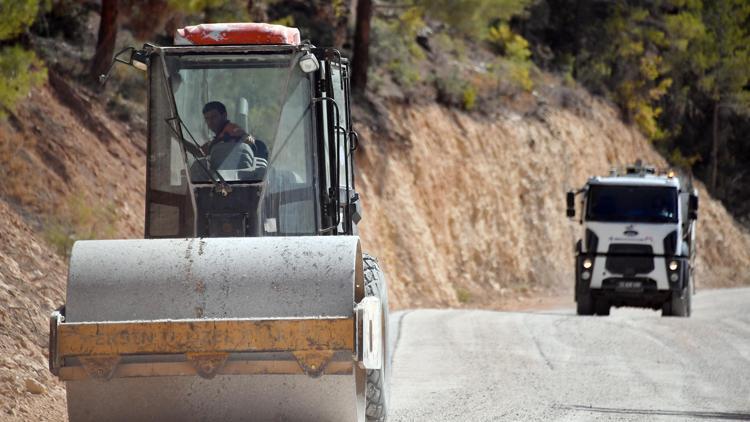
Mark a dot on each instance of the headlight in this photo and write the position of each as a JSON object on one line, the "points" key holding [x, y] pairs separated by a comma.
{"points": [[585, 275], [674, 277], [673, 265], [309, 63], [587, 263]]}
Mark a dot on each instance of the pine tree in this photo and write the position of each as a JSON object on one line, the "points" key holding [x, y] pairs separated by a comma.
{"points": [[20, 69]]}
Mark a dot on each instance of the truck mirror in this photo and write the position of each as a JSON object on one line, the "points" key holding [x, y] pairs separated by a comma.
{"points": [[571, 204], [693, 207]]}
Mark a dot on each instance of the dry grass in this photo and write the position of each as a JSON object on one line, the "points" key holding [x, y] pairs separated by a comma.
{"points": [[80, 218]]}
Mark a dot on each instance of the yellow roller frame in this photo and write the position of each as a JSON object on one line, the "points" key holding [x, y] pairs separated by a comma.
{"points": [[204, 346]]}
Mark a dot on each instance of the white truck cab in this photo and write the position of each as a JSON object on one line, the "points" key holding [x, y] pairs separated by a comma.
{"points": [[637, 241]]}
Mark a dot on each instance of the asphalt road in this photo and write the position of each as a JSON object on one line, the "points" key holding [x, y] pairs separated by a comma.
{"points": [[459, 365]]}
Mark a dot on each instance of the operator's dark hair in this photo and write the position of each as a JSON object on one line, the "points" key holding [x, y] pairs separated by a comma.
{"points": [[214, 105]]}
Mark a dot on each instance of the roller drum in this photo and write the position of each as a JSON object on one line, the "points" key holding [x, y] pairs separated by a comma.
{"points": [[293, 277]]}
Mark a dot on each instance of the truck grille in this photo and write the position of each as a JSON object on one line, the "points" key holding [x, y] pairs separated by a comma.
{"points": [[630, 260]]}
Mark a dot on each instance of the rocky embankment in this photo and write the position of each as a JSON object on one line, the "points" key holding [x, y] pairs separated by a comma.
{"points": [[59, 150]]}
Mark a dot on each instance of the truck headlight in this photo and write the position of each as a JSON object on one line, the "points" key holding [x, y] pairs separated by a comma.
{"points": [[674, 277], [673, 265], [585, 275], [587, 263]]}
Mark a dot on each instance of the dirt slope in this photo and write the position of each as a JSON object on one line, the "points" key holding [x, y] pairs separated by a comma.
{"points": [[467, 210], [31, 284], [58, 145]]}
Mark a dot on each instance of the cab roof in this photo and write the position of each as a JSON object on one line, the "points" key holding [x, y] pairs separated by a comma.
{"points": [[237, 34], [637, 180]]}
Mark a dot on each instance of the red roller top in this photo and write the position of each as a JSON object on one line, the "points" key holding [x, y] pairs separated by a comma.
{"points": [[237, 33]]}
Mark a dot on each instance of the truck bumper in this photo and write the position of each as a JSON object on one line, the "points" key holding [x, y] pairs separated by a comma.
{"points": [[637, 290]]}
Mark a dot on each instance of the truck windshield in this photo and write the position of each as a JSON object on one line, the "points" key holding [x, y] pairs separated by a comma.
{"points": [[645, 204]]}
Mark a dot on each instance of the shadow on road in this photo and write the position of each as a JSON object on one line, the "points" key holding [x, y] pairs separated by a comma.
{"points": [[737, 416]]}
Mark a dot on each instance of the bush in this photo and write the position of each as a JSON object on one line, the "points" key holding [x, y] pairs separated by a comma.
{"points": [[515, 50], [394, 47], [21, 70], [451, 88], [17, 16], [677, 159], [80, 219], [66, 18], [473, 17], [470, 98], [462, 295]]}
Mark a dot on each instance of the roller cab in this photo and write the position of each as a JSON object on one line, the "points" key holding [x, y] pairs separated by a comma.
{"points": [[247, 299]]}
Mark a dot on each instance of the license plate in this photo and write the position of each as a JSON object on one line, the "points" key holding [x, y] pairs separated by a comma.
{"points": [[630, 285]]}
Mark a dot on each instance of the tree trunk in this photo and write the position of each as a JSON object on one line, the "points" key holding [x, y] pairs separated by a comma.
{"points": [[715, 149], [361, 56], [105, 43], [341, 13]]}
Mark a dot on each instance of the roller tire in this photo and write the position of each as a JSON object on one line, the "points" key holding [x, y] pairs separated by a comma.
{"points": [[377, 389]]}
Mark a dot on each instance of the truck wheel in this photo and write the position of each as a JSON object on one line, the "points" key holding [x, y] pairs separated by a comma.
{"points": [[602, 306], [681, 302], [585, 304], [377, 391], [666, 308]]}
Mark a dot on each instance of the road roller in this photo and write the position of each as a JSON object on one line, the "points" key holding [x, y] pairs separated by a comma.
{"points": [[249, 298]]}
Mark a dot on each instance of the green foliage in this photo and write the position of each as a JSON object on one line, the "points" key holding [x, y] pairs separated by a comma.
{"points": [[727, 49], [287, 20], [462, 295], [17, 16], [214, 10], [677, 159], [470, 97], [515, 49], [394, 47], [676, 68], [658, 59], [454, 90], [472, 17], [631, 64], [339, 8], [453, 69], [511, 45], [194, 6], [80, 219], [21, 70]]}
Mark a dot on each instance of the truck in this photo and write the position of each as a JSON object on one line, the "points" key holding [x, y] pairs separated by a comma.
{"points": [[637, 244]]}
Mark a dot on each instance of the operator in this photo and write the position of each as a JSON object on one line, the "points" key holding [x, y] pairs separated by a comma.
{"points": [[231, 147]]}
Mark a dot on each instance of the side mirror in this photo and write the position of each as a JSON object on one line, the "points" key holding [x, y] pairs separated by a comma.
{"points": [[129, 56], [570, 200], [139, 60], [693, 207]]}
